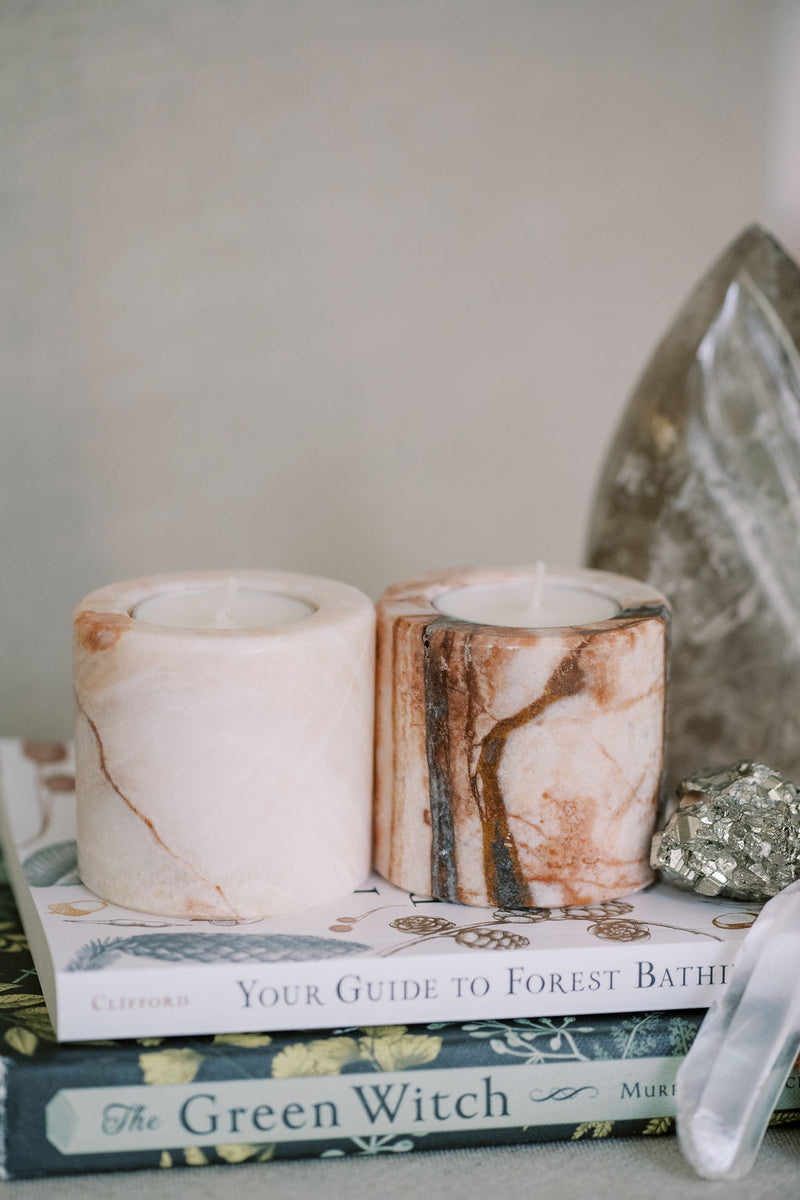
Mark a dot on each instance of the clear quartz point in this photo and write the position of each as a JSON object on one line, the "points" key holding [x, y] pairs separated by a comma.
{"points": [[732, 1077]]}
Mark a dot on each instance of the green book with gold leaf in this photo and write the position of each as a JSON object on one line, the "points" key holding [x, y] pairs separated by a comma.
{"points": [[252, 1097]]}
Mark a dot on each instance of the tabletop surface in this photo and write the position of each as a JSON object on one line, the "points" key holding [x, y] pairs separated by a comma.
{"points": [[614, 1169]]}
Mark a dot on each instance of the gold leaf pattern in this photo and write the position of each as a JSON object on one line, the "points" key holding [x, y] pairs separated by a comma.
{"points": [[237, 1152], [170, 1066], [400, 1052], [26, 1010], [245, 1040], [37, 1021], [194, 1157], [658, 1125], [166, 1159], [12, 939], [20, 1000], [322, 1057], [785, 1117], [22, 1040], [595, 1129], [602, 1128]]}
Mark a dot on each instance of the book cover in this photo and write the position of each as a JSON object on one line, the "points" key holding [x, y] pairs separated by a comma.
{"points": [[377, 956], [252, 1097]]}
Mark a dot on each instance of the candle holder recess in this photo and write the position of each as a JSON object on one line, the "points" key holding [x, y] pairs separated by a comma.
{"points": [[517, 764], [223, 742]]}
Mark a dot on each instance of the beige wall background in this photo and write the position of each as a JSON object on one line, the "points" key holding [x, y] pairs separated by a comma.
{"points": [[353, 287]]}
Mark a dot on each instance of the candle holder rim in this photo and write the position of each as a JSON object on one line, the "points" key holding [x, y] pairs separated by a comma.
{"points": [[635, 598], [329, 599]]}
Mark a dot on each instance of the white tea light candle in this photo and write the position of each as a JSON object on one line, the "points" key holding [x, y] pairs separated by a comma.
{"points": [[520, 735], [229, 607], [523, 606], [223, 742]]}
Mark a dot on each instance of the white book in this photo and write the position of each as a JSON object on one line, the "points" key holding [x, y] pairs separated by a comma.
{"points": [[377, 956]]}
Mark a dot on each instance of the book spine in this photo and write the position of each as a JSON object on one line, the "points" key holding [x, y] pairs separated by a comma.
{"points": [[173, 1000], [352, 1092], [4, 1066]]}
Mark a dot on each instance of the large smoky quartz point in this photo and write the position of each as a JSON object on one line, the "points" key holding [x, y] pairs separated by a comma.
{"points": [[700, 496]]}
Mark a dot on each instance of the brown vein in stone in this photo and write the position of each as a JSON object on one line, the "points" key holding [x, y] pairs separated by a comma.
{"points": [[623, 705], [140, 815], [472, 686], [394, 733], [608, 755], [100, 631], [444, 871], [663, 613], [505, 882]]}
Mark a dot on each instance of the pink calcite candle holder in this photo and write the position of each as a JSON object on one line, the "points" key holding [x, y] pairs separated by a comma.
{"points": [[224, 742], [519, 766]]}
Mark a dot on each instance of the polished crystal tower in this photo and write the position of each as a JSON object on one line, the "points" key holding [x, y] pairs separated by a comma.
{"points": [[700, 496]]}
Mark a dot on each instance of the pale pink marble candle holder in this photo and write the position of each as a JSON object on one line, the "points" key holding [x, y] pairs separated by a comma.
{"points": [[224, 773], [519, 767]]}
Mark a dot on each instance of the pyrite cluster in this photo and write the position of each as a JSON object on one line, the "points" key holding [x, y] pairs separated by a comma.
{"points": [[736, 833]]}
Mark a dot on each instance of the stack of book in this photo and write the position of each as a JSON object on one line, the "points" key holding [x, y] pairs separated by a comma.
{"points": [[423, 1025]]}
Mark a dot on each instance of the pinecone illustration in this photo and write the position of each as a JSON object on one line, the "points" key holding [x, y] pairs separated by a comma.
{"points": [[420, 924], [620, 931], [489, 937], [601, 911]]}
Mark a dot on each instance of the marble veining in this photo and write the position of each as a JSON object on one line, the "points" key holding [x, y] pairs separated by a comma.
{"points": [[517, 767], [224, 773], [147, 822]]}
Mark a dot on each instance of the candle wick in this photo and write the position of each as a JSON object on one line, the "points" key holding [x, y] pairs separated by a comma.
{"points": [[224, 618], [538, 584]]}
